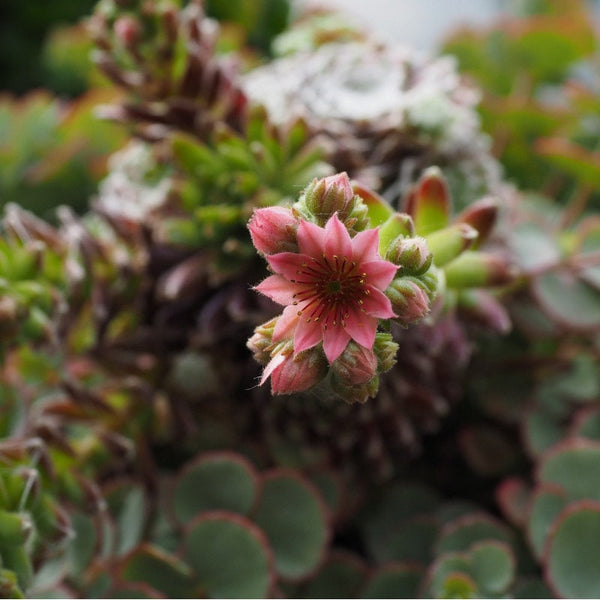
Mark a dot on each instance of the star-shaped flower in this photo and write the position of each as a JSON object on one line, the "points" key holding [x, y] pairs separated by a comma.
{"points": [[332, 288]]}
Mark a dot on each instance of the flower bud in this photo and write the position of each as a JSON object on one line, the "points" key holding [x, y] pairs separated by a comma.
{"points": [[409, 300], [412, 254], [273, 230], [324, 197], [385, 349], [298, 373], [355, 365], [397, 225], [355, 393], [334, 194], [261, 341]]}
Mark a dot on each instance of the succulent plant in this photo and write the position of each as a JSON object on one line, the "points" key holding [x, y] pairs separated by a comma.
{"points": [[53, 152], [386, 114], [443, 444]]}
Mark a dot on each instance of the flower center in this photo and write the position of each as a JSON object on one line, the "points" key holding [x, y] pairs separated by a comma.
{"points": [[333, 287], [329, 289]]}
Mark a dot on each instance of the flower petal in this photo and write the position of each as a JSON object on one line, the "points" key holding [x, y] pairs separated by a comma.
{"points": [[365, 246], [377, 304], [311, 239], [379, 273], [307, 335], [286, 323], [335, 340], [361, 328], [275, 362], [278, 288], [337, 238], [287, 264]]}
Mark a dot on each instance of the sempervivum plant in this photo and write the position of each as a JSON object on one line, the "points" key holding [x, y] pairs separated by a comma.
{"points": [[435, 284], [368, 445], [386, 112]]}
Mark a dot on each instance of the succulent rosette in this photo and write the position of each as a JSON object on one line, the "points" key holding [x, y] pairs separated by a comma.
{"points": [[387, 112]]}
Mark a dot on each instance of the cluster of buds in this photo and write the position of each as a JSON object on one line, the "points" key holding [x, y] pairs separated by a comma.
{"points": [[338, 290], [345, 266]]}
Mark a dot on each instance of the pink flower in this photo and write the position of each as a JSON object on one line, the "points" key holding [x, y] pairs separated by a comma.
{"points": [[332, 289], [273, 230]]}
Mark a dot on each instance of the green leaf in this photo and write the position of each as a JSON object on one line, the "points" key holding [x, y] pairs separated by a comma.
{"points": [[449, 243], [542, 429], [465, 531], [568, 300], [493, 567], [411, 541], [574, 160], [127, 503], [533, 247], [230, 556], [378, 209], [546, 503], [218, 481], [573, 556], [341, 576], [293, 516], [429, 204], [81, 549], [450, 572], [394, 581], [575, 466], [587, 424], [162, 571]]}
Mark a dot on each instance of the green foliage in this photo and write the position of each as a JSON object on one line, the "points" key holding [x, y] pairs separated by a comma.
{"points": [[53, 153], [261, 21], [572, 552], [142, 460], [539, 105], [230, 556]]}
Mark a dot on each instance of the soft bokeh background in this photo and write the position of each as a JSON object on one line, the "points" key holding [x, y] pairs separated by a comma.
{"points": [[424, 23]]}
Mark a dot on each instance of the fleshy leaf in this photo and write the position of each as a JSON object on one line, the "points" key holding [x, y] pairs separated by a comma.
{"points": [[218, 481], [573, 553], [160, 570], [230, 556], [294, 518], [394, 580], [341, 576], [545, 505]]}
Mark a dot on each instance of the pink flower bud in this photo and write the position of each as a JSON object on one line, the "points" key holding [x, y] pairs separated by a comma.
{"points": [[341, 184], [273, 230], [356, 364], [325, 197], [297, 373], [410, 301]]}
